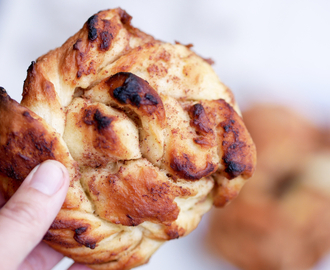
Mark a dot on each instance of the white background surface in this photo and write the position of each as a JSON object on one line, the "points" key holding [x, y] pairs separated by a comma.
{"points": [[270, 50]]}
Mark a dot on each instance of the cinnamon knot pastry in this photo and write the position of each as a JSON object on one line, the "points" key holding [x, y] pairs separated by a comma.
{"points": [[151, 138]]}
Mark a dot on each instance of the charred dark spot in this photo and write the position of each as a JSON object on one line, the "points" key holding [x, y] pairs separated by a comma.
{"points": [[27, 115], [135, 99], [2, 90], [237, 147], [129, 91], [186, 169], [198, 110], [125, 18], [151, 98], [88, 120], [101, 120], [106, 38], [83, 239], [127, 88], [227, 128], [172, 234], [80, 230], [97, 118], [87, 243], [233, 169], [90, 245], [233, 154], [92, 31], [79, 74], [77, 45], [133, 91], [199, 119], [31, 66]]}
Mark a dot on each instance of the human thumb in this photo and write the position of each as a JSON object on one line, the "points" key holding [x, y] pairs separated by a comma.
{"points": [[26, 217]]}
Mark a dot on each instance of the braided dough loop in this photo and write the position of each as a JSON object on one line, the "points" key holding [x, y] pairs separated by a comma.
{"points": [[150, 135]]}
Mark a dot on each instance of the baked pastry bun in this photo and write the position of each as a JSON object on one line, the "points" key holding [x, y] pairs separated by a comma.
{"points": [[281, 219], [151, 138]]}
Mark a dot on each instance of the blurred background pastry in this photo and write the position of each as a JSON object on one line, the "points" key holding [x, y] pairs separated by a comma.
{"points": [[281, 218]]}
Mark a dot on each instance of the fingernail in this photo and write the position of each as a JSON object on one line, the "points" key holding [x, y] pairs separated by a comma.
{"points": [[48, 178]]}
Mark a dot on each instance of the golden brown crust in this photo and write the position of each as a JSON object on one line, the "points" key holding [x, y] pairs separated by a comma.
{"points": [[144, 128], [235, 143], [24, 140], [235, 147], [136, 193]]}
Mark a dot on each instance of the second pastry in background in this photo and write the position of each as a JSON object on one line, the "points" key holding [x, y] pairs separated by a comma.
{"points": [[280, 220]]}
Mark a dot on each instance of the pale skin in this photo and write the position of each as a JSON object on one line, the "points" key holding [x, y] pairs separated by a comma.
{"points": [[26, 217]]}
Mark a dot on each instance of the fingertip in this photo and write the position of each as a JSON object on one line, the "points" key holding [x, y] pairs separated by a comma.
{"points": [[49, 177], [60, 166]]}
